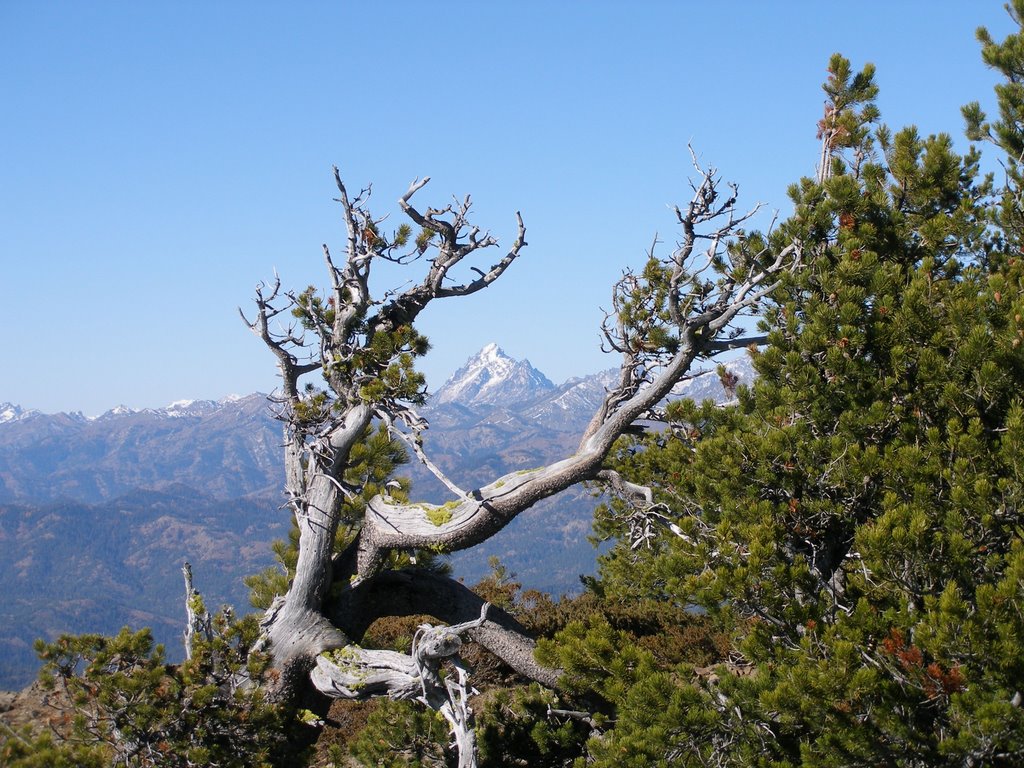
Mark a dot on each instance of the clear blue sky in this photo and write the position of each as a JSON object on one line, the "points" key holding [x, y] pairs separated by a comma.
{"points": [[159, 159]]}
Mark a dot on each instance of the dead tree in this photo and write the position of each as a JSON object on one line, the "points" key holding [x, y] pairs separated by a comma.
{"points": [[357, 353]]}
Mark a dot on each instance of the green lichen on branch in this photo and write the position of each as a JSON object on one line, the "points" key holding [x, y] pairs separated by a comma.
{"points": [[441, 515], [196, 604], [344, 657]]}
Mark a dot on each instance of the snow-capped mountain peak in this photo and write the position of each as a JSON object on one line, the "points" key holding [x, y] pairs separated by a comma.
{"points": [[115, 412], [180, 408], [12, 412], [493, 378]]}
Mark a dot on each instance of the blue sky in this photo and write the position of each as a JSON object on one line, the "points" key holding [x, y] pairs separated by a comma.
{"points": [[159, 159]]}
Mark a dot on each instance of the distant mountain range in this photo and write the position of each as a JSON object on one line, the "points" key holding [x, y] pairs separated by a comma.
{"points": [[228, 448], [97, 514]]}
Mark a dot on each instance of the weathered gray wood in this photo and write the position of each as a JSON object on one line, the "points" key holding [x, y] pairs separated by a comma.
{"points": [[197, 618], [356, 673], [712, 280]]}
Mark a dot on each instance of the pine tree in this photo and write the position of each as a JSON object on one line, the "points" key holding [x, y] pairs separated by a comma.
{"points": [[854, 521], [131, 708]]}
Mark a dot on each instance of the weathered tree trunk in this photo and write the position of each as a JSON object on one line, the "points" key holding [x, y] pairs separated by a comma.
{"points": [[197, 618], [363, 351]]}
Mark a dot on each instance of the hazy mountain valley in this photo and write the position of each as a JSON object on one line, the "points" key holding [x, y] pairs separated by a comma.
{"points": [[98, 514]]}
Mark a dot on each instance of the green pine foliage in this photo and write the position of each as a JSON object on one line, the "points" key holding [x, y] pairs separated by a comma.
{"points": [[133, 709], [854, 522], [1007, 132], [27, 750], [402, 734], [525, 725], [518, 722], [385, 366]]}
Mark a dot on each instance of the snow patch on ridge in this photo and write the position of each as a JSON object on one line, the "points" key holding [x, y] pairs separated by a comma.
{"points": [[11, 412]]}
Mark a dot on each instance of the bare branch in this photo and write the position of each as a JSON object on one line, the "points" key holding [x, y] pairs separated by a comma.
{"points": [[351, 225], [414, 592], [646, 513], [495, 271], [455, 246], [656, 352], [743, 342], [279, 344], [415, 442]]}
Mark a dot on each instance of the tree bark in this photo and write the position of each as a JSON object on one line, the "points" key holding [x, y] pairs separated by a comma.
{"points": [[413, 592]]}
